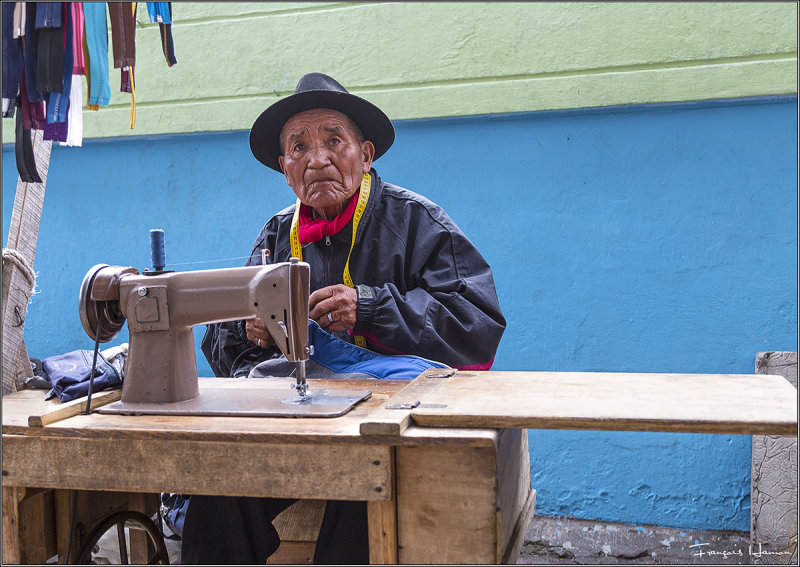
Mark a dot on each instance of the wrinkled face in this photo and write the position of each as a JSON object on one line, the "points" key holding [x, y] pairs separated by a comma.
{"points": [[324, 158]]}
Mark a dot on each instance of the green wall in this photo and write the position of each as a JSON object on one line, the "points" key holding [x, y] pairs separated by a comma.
{"points": [[421, 59]]}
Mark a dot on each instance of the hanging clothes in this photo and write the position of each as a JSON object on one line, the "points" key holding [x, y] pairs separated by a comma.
{"points": [[161, 13], [19, 19], [48, 15], [12, 61], [23, 149], [127, 86], [46, 46], [75, 114], [33, 113], [123, 30], [78, 65], [94, 16], [50, 48], [58, 101], [29, 45], [166, 44], [55, 131]]}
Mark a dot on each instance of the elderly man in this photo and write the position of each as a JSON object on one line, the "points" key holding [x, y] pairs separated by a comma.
{"points": [[390, 271]]}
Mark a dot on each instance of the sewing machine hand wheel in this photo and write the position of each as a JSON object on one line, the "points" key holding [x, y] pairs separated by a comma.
{"points": [[100, 291], [131, 520]]}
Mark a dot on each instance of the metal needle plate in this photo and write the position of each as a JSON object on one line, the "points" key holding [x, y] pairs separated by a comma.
{"points": [[252, 402]]}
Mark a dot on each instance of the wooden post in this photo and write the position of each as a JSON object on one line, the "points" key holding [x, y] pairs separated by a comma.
{"points": [[22, 235]]}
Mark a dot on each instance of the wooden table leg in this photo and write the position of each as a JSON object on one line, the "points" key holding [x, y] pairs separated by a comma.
{"points": [[141, 548], [11, 549], [28, 525], [382, 521], [382, 516]]}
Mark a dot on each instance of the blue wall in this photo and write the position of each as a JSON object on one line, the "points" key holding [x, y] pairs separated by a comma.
{"points": [[634, 239]]}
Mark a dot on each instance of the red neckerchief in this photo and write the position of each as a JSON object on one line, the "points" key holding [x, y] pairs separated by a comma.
{"points": [[310, 229]]}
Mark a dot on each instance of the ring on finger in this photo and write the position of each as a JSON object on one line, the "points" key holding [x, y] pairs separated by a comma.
{"points": [[329, 317], [258, 342]]}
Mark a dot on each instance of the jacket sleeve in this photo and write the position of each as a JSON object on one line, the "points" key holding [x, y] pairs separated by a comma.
{"points": [[228, 352], [225, 345], [446, 309]]}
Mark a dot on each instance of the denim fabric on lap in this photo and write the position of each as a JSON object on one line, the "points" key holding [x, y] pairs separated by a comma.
{"points": [[343, 357], [346, 361]]}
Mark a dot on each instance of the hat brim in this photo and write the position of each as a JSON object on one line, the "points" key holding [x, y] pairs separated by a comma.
{"points": [[265, 133]]}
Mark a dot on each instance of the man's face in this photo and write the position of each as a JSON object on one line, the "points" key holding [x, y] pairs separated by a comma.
{"points": [[324, 159]]}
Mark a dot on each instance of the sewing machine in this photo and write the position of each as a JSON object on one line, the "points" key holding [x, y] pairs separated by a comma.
{"points": [[161, 307]]}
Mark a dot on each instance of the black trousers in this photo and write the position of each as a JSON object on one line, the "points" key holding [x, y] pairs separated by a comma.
{"points": [[225, 530]]}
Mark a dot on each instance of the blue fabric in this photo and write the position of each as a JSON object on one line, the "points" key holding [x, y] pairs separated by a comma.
{"points": [[58, 102], [69, 374], [159, 12], [48, 15], [175, 506], [343, 357], [30, 55], [94, 16]]}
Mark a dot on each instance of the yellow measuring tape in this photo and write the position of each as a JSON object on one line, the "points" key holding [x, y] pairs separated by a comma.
{"points": [[131, 78], [361, 205]]}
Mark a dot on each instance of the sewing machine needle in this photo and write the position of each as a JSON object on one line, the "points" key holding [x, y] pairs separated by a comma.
{"points": [[302, 387]]}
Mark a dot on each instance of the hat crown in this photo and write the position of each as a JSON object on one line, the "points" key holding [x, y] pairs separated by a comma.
{"points": [[317, 90], [318, 82]]}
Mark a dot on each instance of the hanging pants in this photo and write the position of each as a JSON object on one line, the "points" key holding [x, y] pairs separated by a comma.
{"points": [[225, 530]]}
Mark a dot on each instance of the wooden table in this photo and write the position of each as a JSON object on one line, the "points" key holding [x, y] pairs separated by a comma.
{"points": [[434, 494], [447, 481]]}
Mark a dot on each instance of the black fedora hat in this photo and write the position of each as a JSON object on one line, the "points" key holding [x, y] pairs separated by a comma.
{"points": [[316, 90]]}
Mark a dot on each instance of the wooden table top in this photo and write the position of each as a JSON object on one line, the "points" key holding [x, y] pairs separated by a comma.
{"points": [[698, 403], [465, 406], [27, 407]]}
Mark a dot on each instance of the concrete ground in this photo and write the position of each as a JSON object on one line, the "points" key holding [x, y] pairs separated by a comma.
{"points": [[571, 541]]}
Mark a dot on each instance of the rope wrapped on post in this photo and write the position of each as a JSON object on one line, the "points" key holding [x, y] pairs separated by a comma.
{"points": [[20, 262], [16, 294]]}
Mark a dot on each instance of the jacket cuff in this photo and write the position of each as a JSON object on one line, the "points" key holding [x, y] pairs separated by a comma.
{"points": [[365, 313], [240, 330]]}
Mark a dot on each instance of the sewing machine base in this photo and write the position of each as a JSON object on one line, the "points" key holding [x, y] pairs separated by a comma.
{"points": [[250, 402]]}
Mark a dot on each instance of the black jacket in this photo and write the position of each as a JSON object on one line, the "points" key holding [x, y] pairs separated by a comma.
{"points": [[424, 289]]}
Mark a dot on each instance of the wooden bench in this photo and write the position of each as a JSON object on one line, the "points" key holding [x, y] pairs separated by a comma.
{"points": [[298, 527]]}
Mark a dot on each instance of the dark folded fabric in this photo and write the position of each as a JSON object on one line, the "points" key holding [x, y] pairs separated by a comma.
{"points": [[12, 60], [166, 44], [50, 60], [69, 374], [23, 149], [29, 47]]}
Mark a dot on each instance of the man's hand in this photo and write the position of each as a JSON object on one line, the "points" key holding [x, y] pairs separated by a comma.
{"points": [[334, 307], [257, 332]]}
